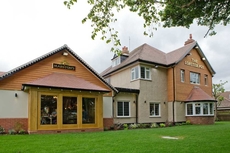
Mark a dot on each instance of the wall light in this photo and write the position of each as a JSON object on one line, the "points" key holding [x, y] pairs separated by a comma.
{"points": [[164, 102], [145, 101], [16, 95], [156, 66], [203, 58], [134, 101], [65, 54]]}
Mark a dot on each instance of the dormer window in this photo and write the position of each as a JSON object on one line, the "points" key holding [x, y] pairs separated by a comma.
{"points": [[116, 61]]}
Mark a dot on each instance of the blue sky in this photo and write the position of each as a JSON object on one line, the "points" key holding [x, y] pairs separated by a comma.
{"points": [[30, 29]]}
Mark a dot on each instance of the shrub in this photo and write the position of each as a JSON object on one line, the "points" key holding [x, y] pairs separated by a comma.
{"points": [[154, 125], [22, 131], [133, 126], [2, 130], [125, 126], [18, 126], [188, 122], [162, 125], [12, 131]]}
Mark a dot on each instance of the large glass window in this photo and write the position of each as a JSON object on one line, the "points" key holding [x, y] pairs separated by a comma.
{"points": [[199, 109], [69, 111], [88, 110], [182, 76], [154, 109], [48, 109], [194, 78], [122, 108]]}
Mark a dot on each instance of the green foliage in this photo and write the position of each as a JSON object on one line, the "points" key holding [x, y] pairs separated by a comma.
{"points": [[18, 127], [12, 131], [154, 125], [188, 122], [171, 13], [133, 126], [2, 130], [125, 126], [162, 125], [217, 90]]}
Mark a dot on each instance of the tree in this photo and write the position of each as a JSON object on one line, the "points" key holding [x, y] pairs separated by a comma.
{"points": [[168, 13], [217, 90]]}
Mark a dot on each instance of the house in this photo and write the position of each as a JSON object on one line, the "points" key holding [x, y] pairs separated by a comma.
{"points": [[223, 108], [154, 86], [57, 92]]}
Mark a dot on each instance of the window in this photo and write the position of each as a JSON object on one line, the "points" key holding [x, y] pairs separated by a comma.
{"points": [[69, 110], [154, 109], [145, 73], [199, 109], [48, 109], [116, 61], [123, 109], [88, 110], [205, 79], [182, 75], [194, 78], [135, 73], [140, 72]]}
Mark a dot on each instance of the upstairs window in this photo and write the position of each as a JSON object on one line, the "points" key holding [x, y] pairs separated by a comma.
{"points": [[116, 61], [194, 78], [140, 72], [182, 75], [206, 79]]}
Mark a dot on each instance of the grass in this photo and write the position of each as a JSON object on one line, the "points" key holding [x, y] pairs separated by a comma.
{"points": [[191, 139]]}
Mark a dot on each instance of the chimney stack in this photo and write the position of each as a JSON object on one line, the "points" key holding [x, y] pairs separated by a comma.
{"points": [[125, 51], [190, 40]]}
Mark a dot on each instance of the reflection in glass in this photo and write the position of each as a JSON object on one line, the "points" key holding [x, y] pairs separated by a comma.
{"points": [[88, 110], [48, 109], [69, 110]]}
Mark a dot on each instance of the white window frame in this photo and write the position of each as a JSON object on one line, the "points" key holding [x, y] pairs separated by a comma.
{"points": [[136, 73], [194, 78], [200, 105], [205, 79], [116, 61], [153, 113], [182, 75], [120, 101]]}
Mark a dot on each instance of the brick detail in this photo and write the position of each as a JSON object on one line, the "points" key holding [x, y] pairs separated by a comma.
{"points": [[201, 119], [108, 122], [8, 123]]}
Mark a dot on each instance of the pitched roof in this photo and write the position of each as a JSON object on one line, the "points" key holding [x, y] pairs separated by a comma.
{"points": [[197, 95], [11, 72], [148, 54], [66, 81], [226, 102]]}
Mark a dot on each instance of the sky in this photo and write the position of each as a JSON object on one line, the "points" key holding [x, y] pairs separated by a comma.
{"points": [[29, 29]]}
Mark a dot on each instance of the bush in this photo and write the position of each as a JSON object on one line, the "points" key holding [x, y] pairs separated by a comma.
{"points": [[125, 126], [188, 122], [12, 131], [22, 131], [18, 126], [154, 125], [2, 130], [162, 125], [133, 126]]}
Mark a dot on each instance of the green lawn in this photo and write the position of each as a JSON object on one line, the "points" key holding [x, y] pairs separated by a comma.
{"points": [[191, 138]]}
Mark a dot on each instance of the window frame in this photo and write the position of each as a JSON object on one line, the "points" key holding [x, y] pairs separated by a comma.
{"points": [[205, 79], [116, 61], [201, 106], [137, 73], [123, 111], [159, 109], [182, 75], [194, 76]]}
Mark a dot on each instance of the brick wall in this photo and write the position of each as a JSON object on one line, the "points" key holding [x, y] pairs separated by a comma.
{"points": [[108, 122], [9, 123], [201, 119]]}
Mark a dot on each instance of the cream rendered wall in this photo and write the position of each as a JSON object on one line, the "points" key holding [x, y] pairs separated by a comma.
{"points": [[154, 90], [131, 97], [179, 111], [11, 106], [123, 79], [170, 111], [107, 107]]}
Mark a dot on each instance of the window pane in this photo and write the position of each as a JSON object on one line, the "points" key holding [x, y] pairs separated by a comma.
{"points": [[126, 108], [143, 72], [197, 108], [182, 75], [69, 110], [133, 74], [205, 108], [88, 110], [157, 112], [48, 109], [136, 72], [211, 108], [154, 109], [189, 109], [147, 73], [194, 78], [206, 79], [120, 108]]}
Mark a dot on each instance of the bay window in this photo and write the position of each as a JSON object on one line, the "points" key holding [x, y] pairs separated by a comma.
{"points": [[199, 109], [140, 72]]}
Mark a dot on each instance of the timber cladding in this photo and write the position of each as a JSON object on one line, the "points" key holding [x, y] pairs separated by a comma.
{"points": [[191, 63], [45, 67]]}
